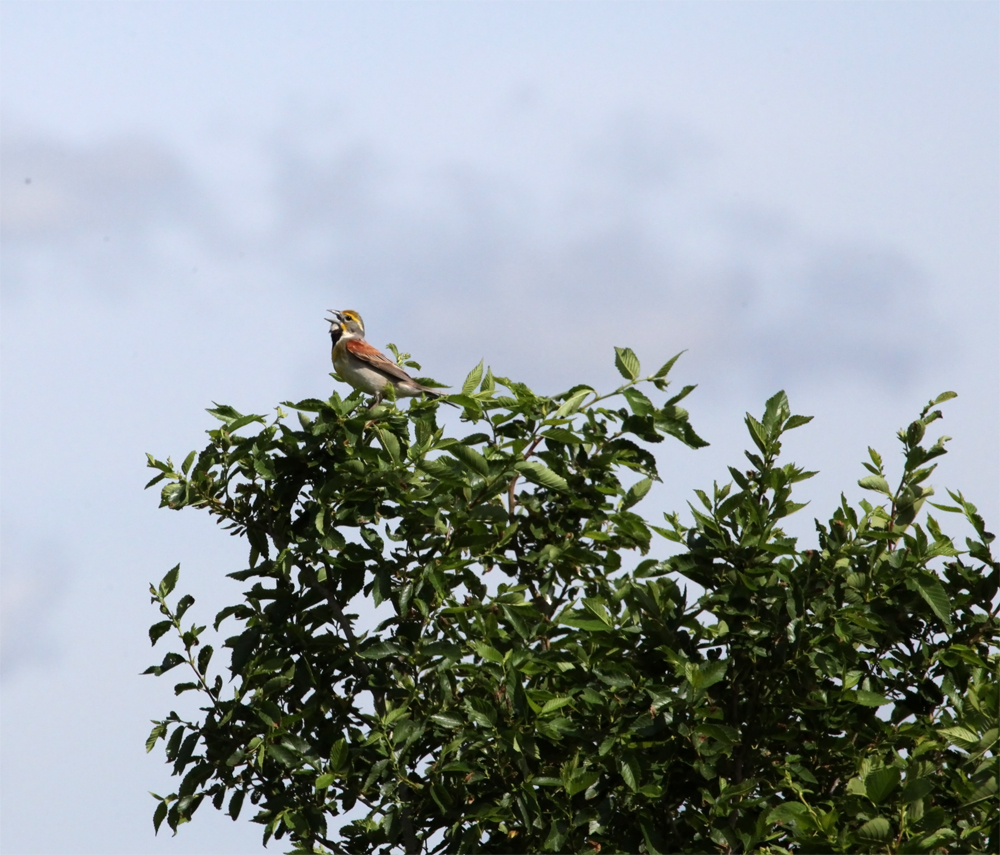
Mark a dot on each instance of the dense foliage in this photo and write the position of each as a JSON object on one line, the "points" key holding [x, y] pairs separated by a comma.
{"points": [[537, 684]]}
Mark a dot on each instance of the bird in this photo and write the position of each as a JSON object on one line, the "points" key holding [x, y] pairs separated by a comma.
{"points": [[365, 367]]}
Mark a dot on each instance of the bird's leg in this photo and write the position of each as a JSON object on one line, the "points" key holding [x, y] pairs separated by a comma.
{"points": [[376, 400]]}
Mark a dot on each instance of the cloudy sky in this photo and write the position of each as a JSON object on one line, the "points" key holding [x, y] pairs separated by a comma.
{"points": [[804, 196]]}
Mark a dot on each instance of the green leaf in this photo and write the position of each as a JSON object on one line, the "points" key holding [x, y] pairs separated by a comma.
{"points": [[875, 830], [470, 457], [573, 403], [581, 780], [159, 815], [583, 623], [157, 733], [665, 368], [567, 437], [877, 483], [757, 433], [170, 661], [776, 412], [307, 405], [324, 781], [797, 421], [933, 592], [636, 492], [554, 704], [487, 652], [224, 413], [262, 466], [598, 607], [243, 421], [472, 380], [881, 782], [169, 581], [788, 812], [867, 699], [284, 755], [390, 443], [541, 475], [157, 630], [654, 845], [339, 753], [236, 804], [638, 402], [629, 768], [379, 650], [944, 396], [627, 363], [960, 736]]}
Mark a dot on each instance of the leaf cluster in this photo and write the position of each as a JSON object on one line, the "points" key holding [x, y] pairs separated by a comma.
{"points": [[538, 683]]}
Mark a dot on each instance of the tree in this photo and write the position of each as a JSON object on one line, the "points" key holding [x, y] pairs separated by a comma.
{"points": [[538, 683]]}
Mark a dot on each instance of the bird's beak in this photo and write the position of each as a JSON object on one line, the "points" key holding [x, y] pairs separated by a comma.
{"points": [[337, 318]]}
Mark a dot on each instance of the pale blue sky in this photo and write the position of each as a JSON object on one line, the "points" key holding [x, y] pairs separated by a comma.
{"points": [[803, 195]]}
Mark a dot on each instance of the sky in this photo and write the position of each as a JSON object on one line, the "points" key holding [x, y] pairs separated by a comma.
{"points": [[801, 196]]}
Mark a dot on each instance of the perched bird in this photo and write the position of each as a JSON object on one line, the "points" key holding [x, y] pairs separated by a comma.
{"points": [[363, 366]]}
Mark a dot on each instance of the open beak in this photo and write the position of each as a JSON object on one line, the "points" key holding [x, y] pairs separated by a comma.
{"points": [[337, 318]]}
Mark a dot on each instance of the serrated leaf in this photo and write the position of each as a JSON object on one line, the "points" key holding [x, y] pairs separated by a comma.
{"points": [[598, 607], [877, 483], [960, 736], [787, 812], [627, 363], [554, 704], [936, 597], [339, 754], [665, 368], [680, 396], [157, 630], [875, 830], [390, 443], [638, 402], [487, 652], [636, 492], [158, 732], [224, 413], [284, 755], [757, 433], [379, 650], [470, 457], [159, 815], [541, 475], [880, 783], [566, 437], [472, 380], [308, 405], [236, 804], [263, 468], [867, 699], [243, 421], [452, 721], [797, 421], [629, 767], [169, 581], [581, 781], [572, 404], [583, 623]]}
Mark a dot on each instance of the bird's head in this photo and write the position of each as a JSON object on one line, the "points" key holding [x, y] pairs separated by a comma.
{"points": [[346, 322]]}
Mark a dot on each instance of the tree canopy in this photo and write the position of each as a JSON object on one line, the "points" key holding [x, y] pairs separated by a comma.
{"points": [[537, 682]]}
